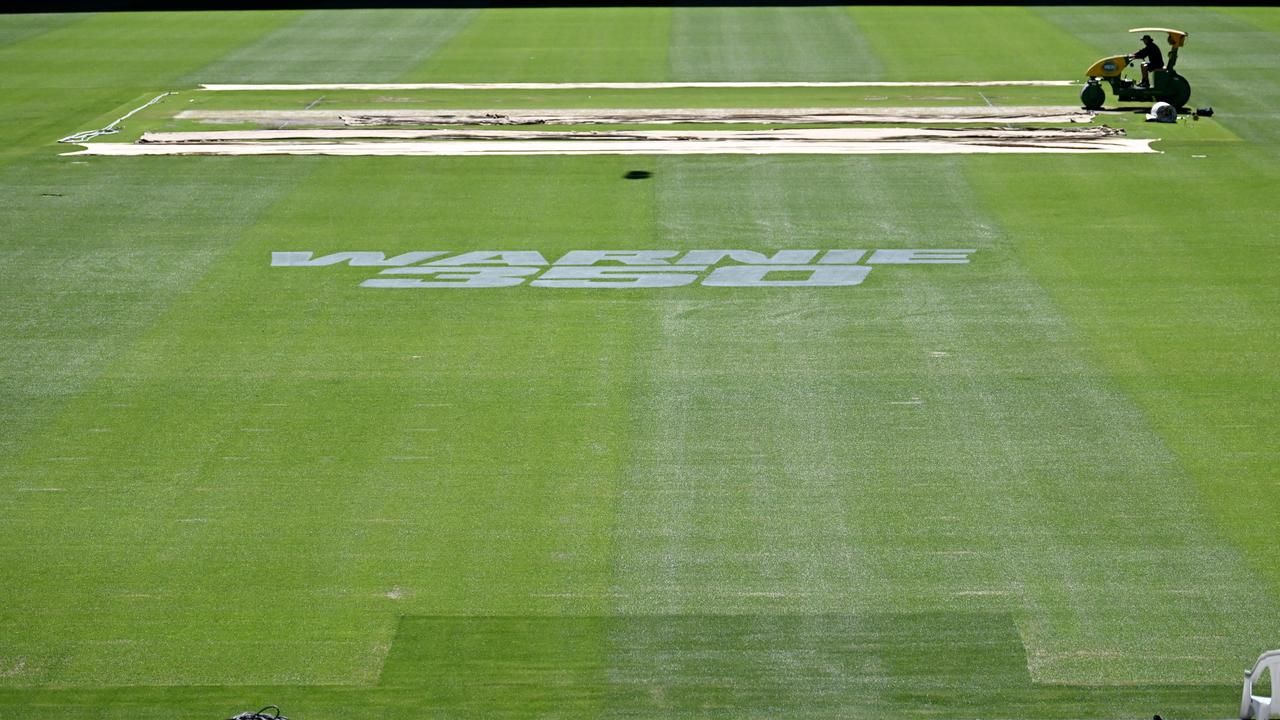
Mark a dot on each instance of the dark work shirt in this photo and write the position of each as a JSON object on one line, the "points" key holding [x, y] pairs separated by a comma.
{"points": [[1151, 53]]}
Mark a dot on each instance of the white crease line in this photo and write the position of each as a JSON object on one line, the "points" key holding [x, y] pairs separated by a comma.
{"points": [[220, 87], [114, 127], [622, 147]]}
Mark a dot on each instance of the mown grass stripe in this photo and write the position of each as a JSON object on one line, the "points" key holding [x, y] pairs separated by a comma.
{"points": [[339, 46], [943, 43], [624, 44], [753, 43]]}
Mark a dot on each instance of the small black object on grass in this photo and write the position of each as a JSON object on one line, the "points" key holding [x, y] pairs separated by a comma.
{"points": [[1204, 112], [638, 174]]}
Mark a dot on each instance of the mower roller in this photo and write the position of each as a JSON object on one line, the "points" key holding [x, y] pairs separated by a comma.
{"points": [[1166, 84]]}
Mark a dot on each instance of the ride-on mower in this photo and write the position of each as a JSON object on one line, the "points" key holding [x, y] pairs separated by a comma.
{"points": [[1166, 86]]}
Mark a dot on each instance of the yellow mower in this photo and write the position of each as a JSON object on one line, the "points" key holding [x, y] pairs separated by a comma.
{"points": [[1166, 86]]}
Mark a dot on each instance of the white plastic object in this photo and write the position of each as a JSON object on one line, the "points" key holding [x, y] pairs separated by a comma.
{"points": [[1258, 707]]}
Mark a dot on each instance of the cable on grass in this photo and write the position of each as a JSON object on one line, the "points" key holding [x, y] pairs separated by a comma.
{"points": [[114, 127]]}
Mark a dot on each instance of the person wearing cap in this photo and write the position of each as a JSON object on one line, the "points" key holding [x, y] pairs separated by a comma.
{"points": [[1152, 57]]}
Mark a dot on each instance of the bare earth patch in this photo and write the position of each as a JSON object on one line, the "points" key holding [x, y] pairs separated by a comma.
{"points": [[831, 141], [633, 85], [976, 135], [950, 114]]}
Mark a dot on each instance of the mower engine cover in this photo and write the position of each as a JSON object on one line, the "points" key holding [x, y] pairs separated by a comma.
{"points": [[1109, 67]]}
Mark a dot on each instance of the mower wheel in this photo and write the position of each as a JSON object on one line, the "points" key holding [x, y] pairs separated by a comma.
{"points": [[1178, 92], [1092, 96]]}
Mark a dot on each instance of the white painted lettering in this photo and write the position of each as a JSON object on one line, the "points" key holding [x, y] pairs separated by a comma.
{"points": [[449, 277], [819, 275], [626, 257], [353, 259], [750, 257], [623, 268], [842, 257], [919, 257], [635, 276], [495, 257]]}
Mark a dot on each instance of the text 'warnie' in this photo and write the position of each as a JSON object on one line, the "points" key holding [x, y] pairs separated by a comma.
{"points": [[623, 268]]}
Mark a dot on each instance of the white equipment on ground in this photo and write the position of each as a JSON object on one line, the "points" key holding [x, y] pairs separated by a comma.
{"points": [[1163, 112], [1259, 707]]}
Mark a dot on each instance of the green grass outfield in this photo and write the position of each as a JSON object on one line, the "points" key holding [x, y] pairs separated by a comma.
{"points": [[1040, 484]]}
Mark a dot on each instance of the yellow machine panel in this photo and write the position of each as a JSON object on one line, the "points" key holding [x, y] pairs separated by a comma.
{"points": [[1177, 38], [1108, 67]]}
